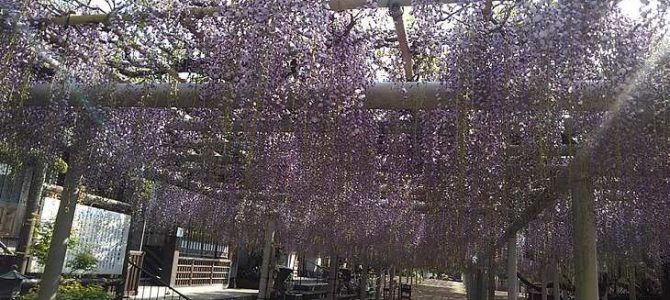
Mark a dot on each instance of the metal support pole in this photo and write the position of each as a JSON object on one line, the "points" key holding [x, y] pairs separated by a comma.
{"points": [[62, 226], [586, 262]]}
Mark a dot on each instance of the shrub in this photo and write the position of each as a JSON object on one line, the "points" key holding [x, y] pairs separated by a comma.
{"points": [[84, 261], [42, 240], [74, 290]]}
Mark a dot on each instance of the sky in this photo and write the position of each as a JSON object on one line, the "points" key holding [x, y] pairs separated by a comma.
{"points": [[631, 7]]}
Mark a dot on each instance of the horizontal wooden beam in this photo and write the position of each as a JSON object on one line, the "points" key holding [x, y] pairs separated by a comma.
{"points": [[92, 200], [382, 95]]}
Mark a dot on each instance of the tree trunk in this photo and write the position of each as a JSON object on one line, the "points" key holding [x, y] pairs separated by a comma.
{"points": [[586, 262], [53, 266], [33, 204], [543, 276]]}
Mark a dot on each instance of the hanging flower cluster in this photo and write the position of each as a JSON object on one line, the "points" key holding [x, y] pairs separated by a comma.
{"points": [[279, 128]]}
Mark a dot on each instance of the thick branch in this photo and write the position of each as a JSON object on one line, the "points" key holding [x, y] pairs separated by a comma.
{"points": [[201, 12], [403, 44]]}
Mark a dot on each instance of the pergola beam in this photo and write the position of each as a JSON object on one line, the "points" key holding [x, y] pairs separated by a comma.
{"points": [[382, 95]]}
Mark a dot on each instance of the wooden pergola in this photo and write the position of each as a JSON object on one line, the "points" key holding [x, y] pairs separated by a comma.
{"points": [[573, 179]]}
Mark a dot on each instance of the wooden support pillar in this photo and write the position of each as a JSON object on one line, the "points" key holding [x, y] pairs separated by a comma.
{"points": [[556, 279], [62, 227], [512, 280], [128, 193], [268, 247], [586, 262], [665, 278], [234, 265], [543, 276], [332, 277], [491, 280], [363, 284], [378, 286], [392, 284], [33, 204], [632, 284], [475, 287]]}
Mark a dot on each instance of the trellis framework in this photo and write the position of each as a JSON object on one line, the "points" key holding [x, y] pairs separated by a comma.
{"points": [[573, 177]]}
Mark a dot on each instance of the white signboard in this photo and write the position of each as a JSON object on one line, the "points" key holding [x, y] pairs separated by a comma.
{"points": [[104, 233]]}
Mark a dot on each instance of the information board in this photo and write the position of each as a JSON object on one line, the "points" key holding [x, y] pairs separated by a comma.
{"points": [[104, 233]]}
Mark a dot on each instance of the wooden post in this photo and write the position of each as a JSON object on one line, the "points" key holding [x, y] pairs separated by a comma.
{"points": [[586, 262], [474, 283], [543, 276], [383, 292], [363, 285], [378, 285], [665, 278], [332, 277], [128, 193], [235, 262], [512, 280], [53, 266], [263, 286], [556, 280], [632, 282], [392, 285], [491, 280], [33, 204]]}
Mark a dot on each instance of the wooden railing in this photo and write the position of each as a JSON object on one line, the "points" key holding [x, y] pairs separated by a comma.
{"points": [[201, 271]]}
